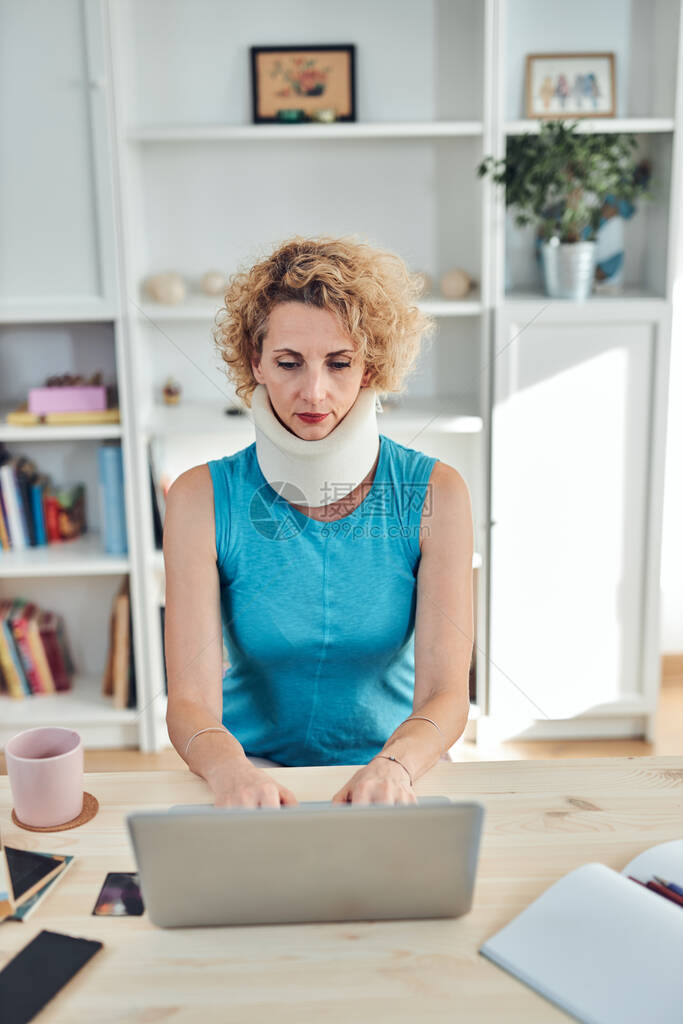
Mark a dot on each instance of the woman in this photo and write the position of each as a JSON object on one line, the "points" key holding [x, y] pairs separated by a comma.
{"points": [[334, 563]]}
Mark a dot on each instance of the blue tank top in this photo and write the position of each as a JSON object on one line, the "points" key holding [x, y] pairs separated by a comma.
{"points": [[318, 617]]}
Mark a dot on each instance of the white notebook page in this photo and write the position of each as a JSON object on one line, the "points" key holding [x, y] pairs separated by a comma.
{"points": [[602, 947]]}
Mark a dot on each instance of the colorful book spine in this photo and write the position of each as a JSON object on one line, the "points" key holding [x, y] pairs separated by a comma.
{"points": [[61, 669], [38, 651], [51, 506], [38, 511], [112, 503], [25, 473], [4, 529], [10, 496], [64, 644], [19, 625], [71, 511], [12, 667]]}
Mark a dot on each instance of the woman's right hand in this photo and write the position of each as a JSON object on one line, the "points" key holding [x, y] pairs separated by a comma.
{"points": [[244, 785]]}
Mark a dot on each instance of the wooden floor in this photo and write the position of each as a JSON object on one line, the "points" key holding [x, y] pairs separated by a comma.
{"points": [[668, 740]]}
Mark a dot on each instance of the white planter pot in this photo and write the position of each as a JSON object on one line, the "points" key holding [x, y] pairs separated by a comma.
{"points": [[568, 269]]}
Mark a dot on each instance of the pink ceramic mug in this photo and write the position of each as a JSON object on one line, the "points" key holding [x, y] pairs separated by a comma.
{"points": [[45, 768]]}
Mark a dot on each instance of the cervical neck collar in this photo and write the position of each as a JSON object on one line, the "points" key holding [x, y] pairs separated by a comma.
{"points": [[322, 471]]}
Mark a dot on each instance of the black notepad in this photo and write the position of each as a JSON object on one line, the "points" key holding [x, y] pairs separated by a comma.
{"points": [[29, 871], [39, 971]]}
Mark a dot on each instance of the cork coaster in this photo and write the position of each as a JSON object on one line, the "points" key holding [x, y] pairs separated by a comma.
{"points": [[89, 810]]}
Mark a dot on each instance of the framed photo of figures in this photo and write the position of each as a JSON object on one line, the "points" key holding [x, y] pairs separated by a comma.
{"points": [[570, 85]]}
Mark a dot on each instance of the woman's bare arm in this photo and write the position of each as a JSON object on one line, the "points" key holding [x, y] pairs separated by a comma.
{"points": [[193, 630]]}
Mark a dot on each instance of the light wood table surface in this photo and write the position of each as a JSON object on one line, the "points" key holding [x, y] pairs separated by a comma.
{"points": [[542, 819]]}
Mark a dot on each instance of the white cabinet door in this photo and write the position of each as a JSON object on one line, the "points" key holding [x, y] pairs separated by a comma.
{"points": [[55, 206], [570, 439]]}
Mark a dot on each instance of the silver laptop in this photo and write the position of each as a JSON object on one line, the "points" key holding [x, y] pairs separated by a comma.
{"points": [[314, 861]]}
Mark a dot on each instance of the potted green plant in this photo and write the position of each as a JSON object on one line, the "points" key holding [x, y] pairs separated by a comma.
{"points": [[560, 179]]}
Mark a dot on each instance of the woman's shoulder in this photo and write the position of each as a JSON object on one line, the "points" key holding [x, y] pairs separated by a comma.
{"points": [[408, 461], [439, 470], [198, 483], [426, 481], [239, 462], [189, 509], [192, 484]]}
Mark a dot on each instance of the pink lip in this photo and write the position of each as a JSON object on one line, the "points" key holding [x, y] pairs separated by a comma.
{"points": [[310, 417]]}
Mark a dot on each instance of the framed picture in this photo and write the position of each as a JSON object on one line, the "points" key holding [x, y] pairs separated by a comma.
{"points": [[307, 78], [570, 85]]}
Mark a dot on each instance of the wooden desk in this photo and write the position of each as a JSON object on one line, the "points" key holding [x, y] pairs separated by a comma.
{"points": [[543, 818]]}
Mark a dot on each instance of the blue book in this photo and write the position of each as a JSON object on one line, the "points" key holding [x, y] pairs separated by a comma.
{"points": [[38, 510], [112, 502]]}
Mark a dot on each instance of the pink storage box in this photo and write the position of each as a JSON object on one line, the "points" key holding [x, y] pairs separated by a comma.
{"points": [[69, 398]]}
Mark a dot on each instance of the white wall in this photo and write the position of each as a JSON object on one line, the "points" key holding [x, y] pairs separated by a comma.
{"points": [[672, 539]]}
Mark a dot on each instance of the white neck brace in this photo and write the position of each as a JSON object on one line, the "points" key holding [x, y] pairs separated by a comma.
{"points": [[322, 471]]}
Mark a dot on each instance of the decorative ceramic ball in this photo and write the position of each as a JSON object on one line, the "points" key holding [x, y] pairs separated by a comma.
{"points": [[455, 283], [213, 282], [168, 287], [427, 281]]}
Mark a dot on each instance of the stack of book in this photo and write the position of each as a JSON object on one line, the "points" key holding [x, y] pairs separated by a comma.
{"points": [[68, 398], [32, 512], [26, 877], [21, 417], [34, 653]]}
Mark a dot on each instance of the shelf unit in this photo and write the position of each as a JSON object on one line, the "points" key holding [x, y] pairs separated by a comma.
{"points": [[12, 433], [263, 132], [595, 374], [83, 556], [180, 179], [61, 310], [203, 310]]}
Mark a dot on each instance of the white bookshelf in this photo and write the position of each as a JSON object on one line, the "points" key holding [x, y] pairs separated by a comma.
{"points": [[304, 132], [82, 556], [60, 311], [83, 708], [437, 414], [601, 126], [80, 705], [197, 308], [14, 433], [182, 180], [55, 311]]}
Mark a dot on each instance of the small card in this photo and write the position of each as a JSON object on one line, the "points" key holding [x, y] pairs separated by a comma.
{"points": [[120, 895]]}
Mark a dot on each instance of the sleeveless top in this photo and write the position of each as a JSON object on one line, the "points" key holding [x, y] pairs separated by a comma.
{"points": [[318, 617]]}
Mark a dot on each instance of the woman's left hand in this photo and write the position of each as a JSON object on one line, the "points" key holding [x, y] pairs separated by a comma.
{"points": [[380, 781]]}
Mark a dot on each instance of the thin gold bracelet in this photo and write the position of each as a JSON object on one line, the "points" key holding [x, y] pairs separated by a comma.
{"points": [[211, 728], [425, 719], [390, 757]]}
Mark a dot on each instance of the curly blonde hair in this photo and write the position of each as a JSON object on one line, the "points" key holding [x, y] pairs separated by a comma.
{"points": [[371, 291]]}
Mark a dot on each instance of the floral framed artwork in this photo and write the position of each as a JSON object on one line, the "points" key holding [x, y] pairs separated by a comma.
{"points": [[570, 85], [306, 78]]}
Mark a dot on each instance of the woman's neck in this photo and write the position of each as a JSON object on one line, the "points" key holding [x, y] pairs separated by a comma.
{"points": [[344, 507]]}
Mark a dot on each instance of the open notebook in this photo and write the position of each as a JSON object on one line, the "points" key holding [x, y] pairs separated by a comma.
{"points": [[600, 946]]}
